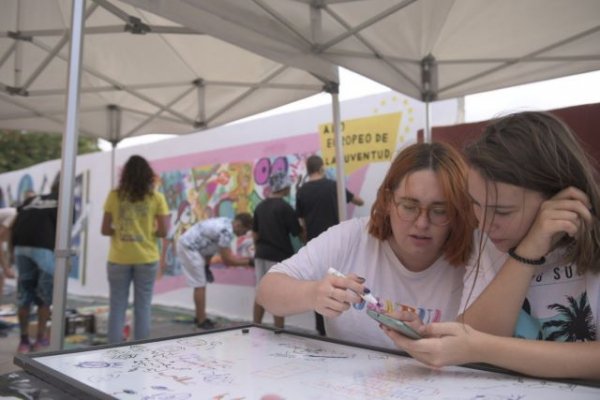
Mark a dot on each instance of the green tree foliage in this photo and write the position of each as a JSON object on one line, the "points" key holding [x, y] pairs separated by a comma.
{"points": [[20, 150]]}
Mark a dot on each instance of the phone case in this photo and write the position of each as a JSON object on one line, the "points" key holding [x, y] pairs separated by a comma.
{"points": [[395, 324]]}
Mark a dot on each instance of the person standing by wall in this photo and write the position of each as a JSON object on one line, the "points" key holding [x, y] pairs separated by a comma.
{"points": [[199, 244], [135, 216], [316, 206], [33, 238], [274, 221], [7, 216]]}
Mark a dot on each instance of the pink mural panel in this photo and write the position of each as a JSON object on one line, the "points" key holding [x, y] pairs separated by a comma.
{"points": [[307, 143], [222, 183]]}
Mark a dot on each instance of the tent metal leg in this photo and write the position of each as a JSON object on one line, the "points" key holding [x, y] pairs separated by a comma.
{"points": [[427, 131], [65, 202], [114, 133], [339, 156]]}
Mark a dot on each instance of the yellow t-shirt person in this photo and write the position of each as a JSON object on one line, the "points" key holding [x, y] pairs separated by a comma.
{"points": [[134, 224]]}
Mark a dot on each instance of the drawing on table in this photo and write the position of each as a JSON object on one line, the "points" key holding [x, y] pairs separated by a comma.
{"points": [[97, 364], [299, 350], [109, 377], [261, 364], [168, 396]]}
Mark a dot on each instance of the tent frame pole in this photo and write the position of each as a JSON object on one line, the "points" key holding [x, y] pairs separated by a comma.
{"points": [[333, 89], [427, 136], [429, 90], [114, 133], [63, 250]]}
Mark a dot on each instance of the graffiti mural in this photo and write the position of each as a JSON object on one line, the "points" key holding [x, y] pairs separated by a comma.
{"points": [[220, 190], [30, 184]]}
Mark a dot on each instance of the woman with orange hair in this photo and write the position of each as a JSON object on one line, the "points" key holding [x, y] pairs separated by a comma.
{"points": [[411, 252]]}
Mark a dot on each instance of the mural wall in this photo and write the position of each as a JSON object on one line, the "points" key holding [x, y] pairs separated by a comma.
{"points": [[37, 180], [222, 189], [221, 172]]}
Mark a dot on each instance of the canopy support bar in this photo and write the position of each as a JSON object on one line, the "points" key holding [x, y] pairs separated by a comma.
{"points": [[114, 133], [429, 88], [334, 89], [201, 117], [65, 200]]}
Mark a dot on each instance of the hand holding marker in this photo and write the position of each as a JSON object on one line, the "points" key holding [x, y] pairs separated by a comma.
{"points": [[376, 312], [368, 297]]}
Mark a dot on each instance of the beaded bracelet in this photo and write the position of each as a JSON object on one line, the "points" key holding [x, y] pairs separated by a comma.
{"points": [[523, 260]]}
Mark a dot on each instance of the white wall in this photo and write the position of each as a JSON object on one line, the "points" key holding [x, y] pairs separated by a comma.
{"points": [[228, 300]]}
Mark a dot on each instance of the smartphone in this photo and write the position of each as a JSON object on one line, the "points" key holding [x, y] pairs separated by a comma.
{"points": [[393, 323]]}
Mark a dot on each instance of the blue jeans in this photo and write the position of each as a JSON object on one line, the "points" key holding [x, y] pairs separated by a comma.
{"points": [[35, 280], [119, 278]]}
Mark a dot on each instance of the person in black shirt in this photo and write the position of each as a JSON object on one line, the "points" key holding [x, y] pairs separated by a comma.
{"points": [[33, 238], [274, 222], [316, 206], [7, 216]]}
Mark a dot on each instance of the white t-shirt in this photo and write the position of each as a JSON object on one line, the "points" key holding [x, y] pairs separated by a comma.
{"points": [[560, 304], [7, 215], [434, 293], [208, 236]]}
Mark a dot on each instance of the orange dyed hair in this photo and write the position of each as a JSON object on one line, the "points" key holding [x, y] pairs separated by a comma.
{"points": [[451, 170]]}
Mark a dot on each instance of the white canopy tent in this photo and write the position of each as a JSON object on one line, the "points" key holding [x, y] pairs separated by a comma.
{"points": [[140, 74], [158, 76], [126, 72], [427, 49]]}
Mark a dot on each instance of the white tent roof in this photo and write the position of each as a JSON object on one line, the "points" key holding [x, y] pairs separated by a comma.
{"points": [[427, 49], [167, 79]]}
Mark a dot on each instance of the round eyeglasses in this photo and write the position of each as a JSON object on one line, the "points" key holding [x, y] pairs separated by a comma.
{"points": [[409, 210]]}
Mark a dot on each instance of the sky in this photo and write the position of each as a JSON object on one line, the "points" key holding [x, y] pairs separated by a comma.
{"points": [[555, 93]]}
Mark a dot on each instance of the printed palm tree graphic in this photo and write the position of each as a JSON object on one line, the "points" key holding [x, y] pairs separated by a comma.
{"points": [[526, 307], [577, 322]]}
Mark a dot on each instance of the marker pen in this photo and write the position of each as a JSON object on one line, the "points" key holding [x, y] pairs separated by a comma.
{"points": [[368, 297]]}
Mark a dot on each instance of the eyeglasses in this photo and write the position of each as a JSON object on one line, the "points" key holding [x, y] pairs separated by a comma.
{"points": [[409, 210]]}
